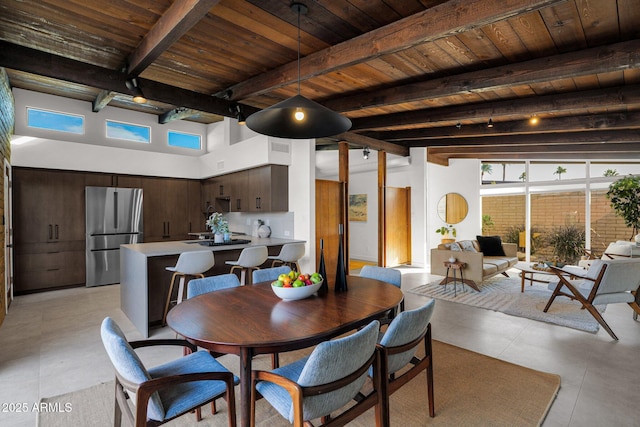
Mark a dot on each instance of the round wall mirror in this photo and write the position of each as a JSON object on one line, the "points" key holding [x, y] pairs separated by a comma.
{"points": [[452, 208]]}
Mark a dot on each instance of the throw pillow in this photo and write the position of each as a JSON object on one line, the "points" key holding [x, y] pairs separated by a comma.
{"points": [[490, 245], [453, 247], [467, 246]]}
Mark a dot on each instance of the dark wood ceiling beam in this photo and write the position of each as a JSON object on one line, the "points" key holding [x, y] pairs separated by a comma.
{"points": [[375, 144], [598, 136], [442, 155], [45, 64], [628, 120], [623, 96], [177, 20], [176, 114], [602, 59], [102, 100], [444, 20]]}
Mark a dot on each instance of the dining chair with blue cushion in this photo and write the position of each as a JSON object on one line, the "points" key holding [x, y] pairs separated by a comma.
{"points": [[398, 347], [325, 381], [197, 287], [269, 274], [167, 391], [384, 274]]}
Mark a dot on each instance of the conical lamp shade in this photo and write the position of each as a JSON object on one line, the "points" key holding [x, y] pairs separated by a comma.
{"points": [[279, 120]]}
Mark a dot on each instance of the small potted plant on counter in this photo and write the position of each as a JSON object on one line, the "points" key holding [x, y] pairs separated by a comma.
{"points": [[219, 227]]}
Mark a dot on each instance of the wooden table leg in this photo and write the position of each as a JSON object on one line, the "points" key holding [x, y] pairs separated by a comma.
{"points": [[246, 356]]}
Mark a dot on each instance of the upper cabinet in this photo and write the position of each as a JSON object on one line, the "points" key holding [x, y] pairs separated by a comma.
{"points": [[262, 189]]}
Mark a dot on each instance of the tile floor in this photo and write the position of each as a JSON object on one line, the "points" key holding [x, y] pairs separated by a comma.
{"points": [[50, 344]]}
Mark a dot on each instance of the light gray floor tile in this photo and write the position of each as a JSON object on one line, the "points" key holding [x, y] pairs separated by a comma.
{"points": [[50, 344]]}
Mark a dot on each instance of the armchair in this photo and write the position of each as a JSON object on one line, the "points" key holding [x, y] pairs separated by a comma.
{"points": [[398, 346], [325, 381], [167, 391], [606, 282]]}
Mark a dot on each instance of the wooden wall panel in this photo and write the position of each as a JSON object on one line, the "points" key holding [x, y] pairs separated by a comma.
{"points": [[397, 221], [329, 208], [7, 118]]}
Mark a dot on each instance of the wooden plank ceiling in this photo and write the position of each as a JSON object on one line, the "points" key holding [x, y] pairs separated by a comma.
{"points": [[407, 72]]}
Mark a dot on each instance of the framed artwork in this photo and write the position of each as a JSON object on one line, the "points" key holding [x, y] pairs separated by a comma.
{"points": [[358, 207]]}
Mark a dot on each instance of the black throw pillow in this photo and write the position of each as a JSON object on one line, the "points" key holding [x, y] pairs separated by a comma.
{"points": [[490, 245]]}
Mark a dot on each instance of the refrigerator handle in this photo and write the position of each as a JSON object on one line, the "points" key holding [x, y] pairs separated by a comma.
{"points": [[115, 210]]}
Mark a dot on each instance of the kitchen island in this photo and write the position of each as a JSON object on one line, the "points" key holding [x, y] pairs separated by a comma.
{"points": [[144, 280]]}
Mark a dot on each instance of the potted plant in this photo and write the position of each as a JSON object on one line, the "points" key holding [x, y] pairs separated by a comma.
{"points": [[568, 243], [445, 231], [624, 195], [219, 226]]}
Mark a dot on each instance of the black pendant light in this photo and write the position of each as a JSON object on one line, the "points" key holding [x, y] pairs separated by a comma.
{"points": [[298, 117]]}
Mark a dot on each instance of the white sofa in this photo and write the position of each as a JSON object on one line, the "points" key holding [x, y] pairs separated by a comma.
{"points": [[478, 266]]}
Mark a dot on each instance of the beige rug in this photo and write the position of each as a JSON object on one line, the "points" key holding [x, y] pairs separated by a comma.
{"points": [[470, 389]]}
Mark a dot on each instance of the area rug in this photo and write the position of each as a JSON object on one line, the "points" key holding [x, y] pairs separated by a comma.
{"points": [[470, 389], [503, 294]]}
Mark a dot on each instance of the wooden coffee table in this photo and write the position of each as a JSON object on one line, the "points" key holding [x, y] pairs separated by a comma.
{"points": [[526, 268]]}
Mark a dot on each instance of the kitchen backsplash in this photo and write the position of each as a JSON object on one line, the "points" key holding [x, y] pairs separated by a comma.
{"points": [[281, 223]]}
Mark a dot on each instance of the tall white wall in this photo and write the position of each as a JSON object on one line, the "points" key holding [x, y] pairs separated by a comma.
{"points": [[461, 176]]}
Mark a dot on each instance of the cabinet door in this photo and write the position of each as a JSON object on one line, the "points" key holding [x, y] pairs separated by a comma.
{"points": [[268, 189], [155, 223], [195, 216], [68, 209]]}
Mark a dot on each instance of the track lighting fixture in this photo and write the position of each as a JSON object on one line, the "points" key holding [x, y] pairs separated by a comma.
{"points": [[134, 85], [365, 153], [458, 125], [237, 111], [490, 123], [298, 117]]}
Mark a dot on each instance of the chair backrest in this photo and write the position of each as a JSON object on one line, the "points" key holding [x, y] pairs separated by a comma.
{"points": [[197, 287], [291, 252], [269, 274], [621, 276], [405, 328], [127, 363], [331, 361], [195, 262], [253, 256], [388, 275]]}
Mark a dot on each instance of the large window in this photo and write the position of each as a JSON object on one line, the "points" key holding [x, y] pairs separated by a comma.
{"points": [[128, 132], [53, 120], [555, 198]]}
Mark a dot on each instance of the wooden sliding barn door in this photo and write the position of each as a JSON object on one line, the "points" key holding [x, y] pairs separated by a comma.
{"points": [[397, 226], [329, 214]]}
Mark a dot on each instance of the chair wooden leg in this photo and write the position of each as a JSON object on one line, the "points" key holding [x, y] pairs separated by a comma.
{"points": [[214, 410], [429, 354], [117, 412], [275, 361], [198, 414], [595, 313], [166, 305], [555, 293]]}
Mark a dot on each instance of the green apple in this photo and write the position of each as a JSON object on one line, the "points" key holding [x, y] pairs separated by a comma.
{"points": [[298, 283], [277, 283]]}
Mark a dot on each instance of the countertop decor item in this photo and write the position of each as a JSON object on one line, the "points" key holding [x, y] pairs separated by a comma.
{"points": [[217, 223], [264, 231], [341, 272]]}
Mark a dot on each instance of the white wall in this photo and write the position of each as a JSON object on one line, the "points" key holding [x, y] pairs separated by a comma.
{"points": [[461, 176]]}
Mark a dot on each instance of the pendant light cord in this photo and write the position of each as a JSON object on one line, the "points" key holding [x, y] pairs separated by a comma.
{"points": [[298, 49]]}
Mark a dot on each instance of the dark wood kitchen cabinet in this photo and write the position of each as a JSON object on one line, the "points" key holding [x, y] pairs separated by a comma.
{"points": [[262, 189], [168, 209], [49, 230]]}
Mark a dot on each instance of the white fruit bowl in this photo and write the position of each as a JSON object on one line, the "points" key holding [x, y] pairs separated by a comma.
{"points": [[292, 294]]}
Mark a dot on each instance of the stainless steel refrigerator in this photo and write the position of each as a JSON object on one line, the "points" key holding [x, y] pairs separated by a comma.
{"points": [[113, 218]]}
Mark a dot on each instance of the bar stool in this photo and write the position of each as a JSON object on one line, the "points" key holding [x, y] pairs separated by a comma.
{"points": [[289, 255], [189, 264], [250, 258]]}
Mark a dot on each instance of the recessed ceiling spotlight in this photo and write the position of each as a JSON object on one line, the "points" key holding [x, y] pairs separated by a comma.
{"points": [[365, 153], [533, 120]]}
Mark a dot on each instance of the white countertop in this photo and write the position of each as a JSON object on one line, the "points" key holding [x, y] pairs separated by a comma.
{"points": [[177, 247]]}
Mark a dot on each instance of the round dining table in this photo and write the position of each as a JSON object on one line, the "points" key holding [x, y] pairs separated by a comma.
{"points": [[251, 320]]}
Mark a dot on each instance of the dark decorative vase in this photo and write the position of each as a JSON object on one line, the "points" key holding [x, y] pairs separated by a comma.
{"points": [[324, 288], [341, 272]]}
